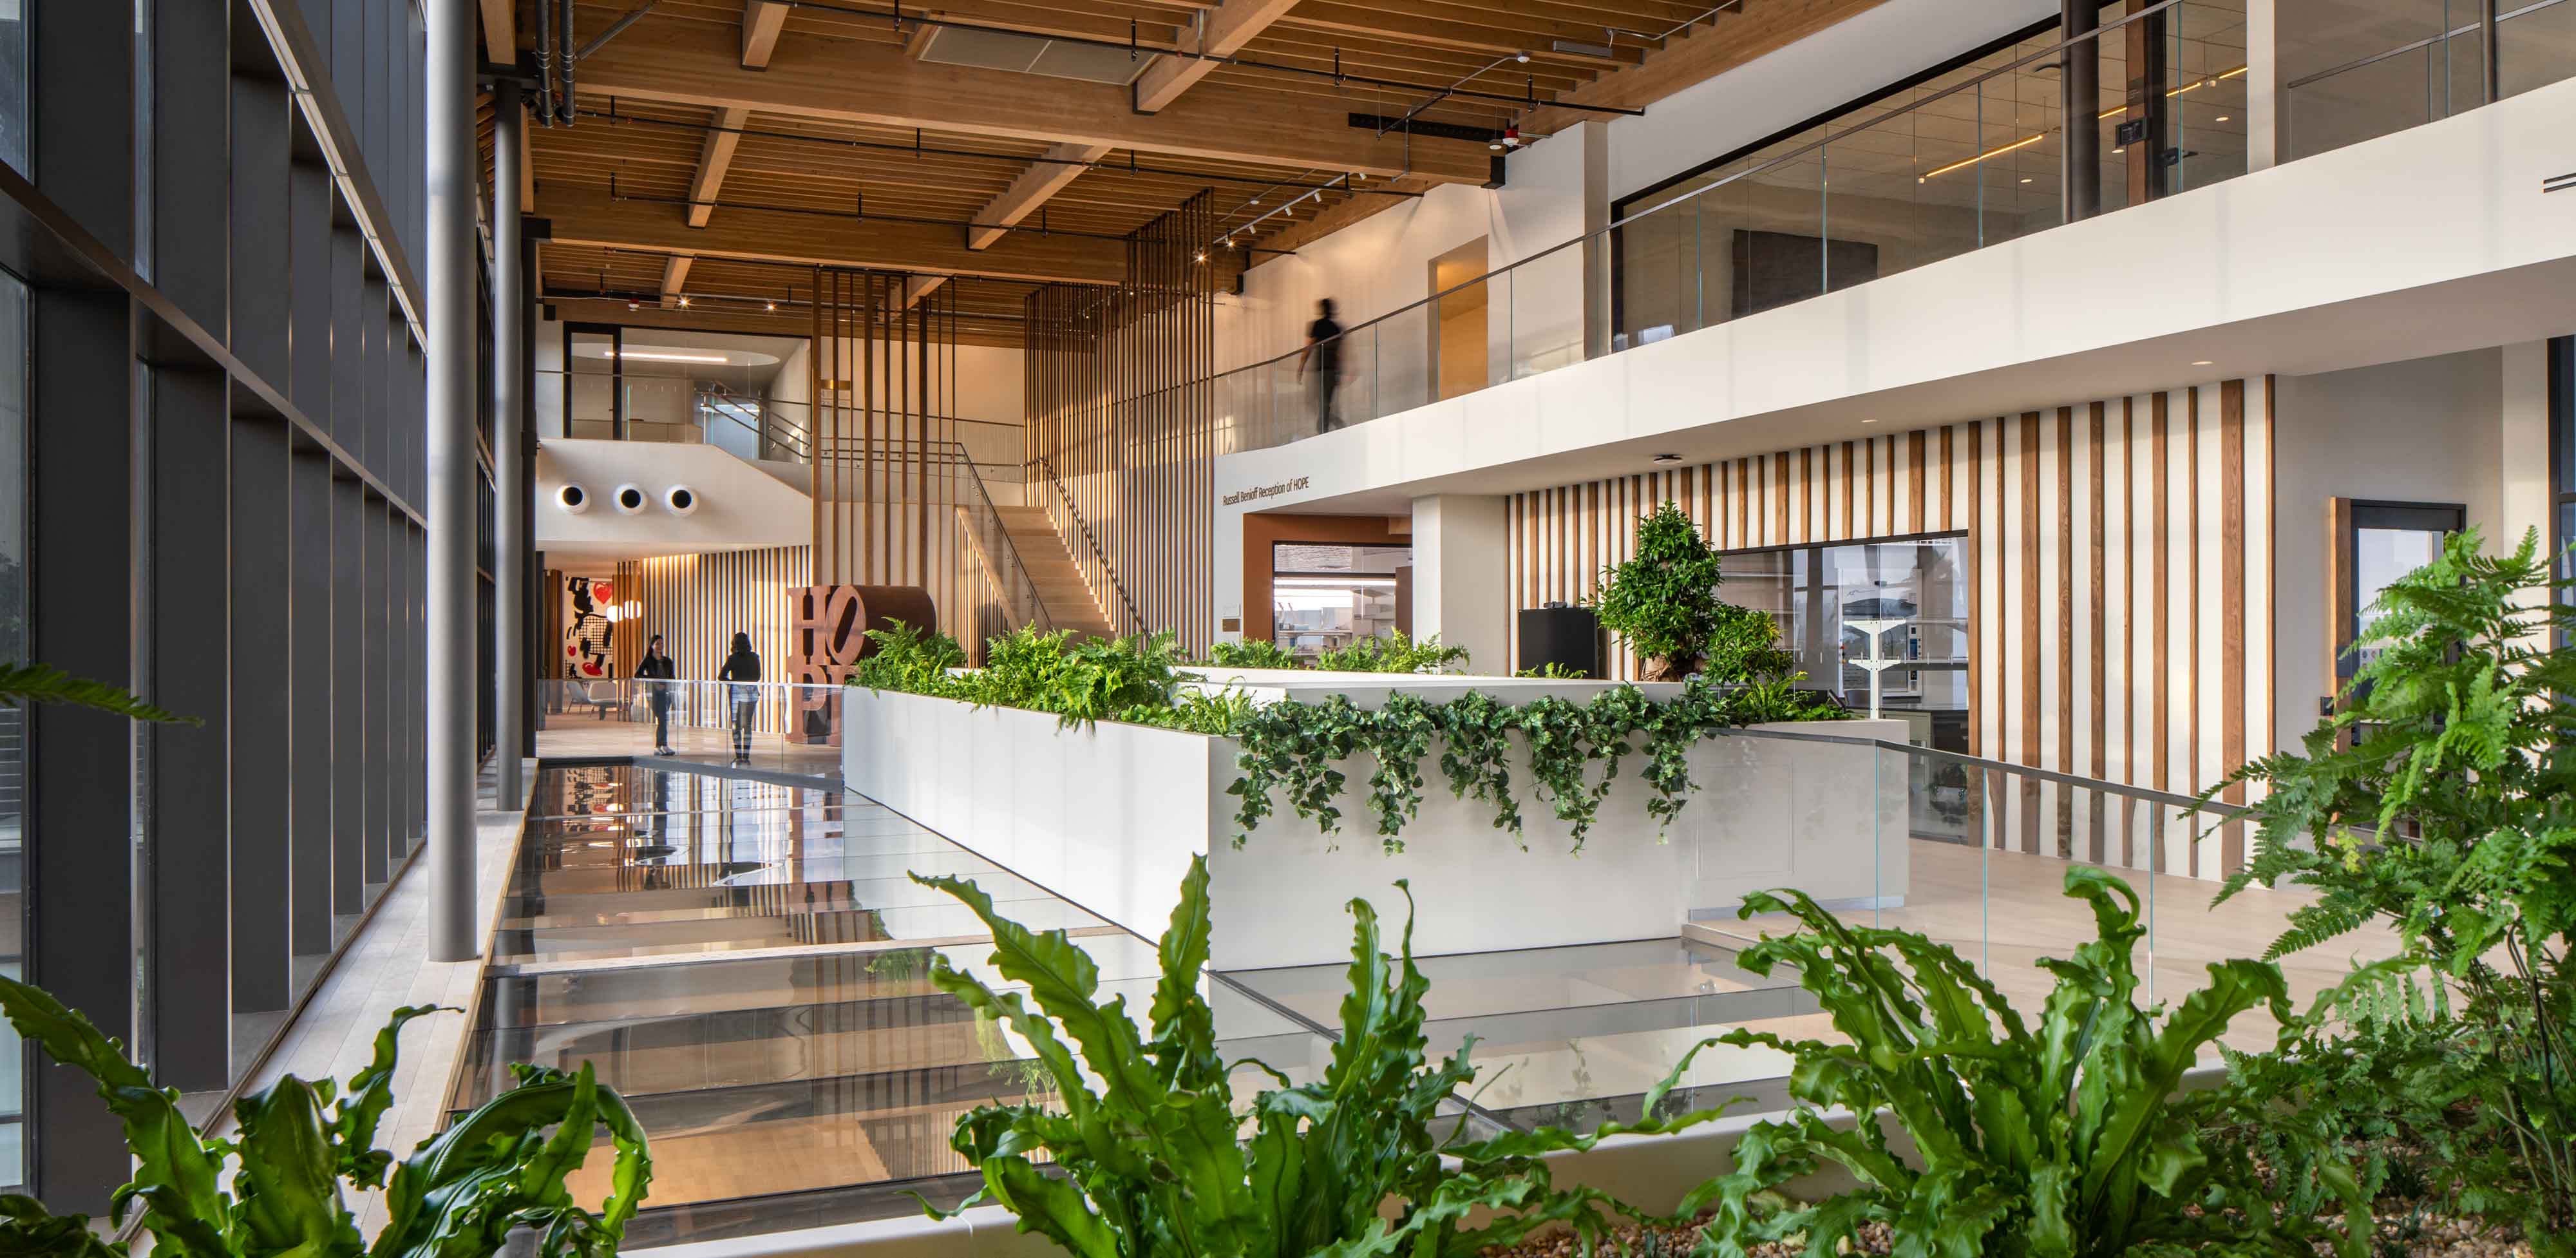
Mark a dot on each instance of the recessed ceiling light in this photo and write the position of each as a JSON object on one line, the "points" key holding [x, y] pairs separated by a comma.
{"points": [[2025, 179], [2222, 117], [2204, 362], [684, 302], [2120, 150], [1668, 458], [770, 305]]}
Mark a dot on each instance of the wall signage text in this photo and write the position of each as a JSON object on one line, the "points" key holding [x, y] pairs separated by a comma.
{"points": [[1267, 491]]}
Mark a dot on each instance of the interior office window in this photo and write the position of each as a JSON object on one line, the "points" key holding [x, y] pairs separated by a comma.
{"points": [[1324, 596], [13, 728], [1831, 601]]}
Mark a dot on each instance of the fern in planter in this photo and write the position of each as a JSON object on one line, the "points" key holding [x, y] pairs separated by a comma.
{"points": [[2062, 1141], [1251, 653], [1664, 600], [2452, 818], [458, 1195], [1151, 1139]]}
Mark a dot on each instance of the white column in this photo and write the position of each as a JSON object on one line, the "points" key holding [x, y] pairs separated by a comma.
{"points": [[2263, 131], [1461, 568], [450, 666]]}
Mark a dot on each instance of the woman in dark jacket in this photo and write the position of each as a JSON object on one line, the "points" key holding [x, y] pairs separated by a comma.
{"points": [[741, 665], [656, 672]]}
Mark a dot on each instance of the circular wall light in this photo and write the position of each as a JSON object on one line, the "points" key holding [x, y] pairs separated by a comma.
{"points": [[573, 499], [630, 500], [680, 499]]}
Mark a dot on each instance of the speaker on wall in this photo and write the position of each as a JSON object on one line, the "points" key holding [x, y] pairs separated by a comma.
{"points": [[1569, 637], [630, 499], [680, 499], [573, 499]]}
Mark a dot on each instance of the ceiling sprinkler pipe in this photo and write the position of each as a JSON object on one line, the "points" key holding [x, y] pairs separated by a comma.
{"points": [[563, 51], [545, 110]]}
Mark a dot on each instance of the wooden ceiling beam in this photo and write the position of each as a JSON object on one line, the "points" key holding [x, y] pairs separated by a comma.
{"points": [[1734, 38], [715, 157], [762, 20], [851, 81], [675, 279], [1031, 190], [500, 30], [583, 216], [1222, 33]]}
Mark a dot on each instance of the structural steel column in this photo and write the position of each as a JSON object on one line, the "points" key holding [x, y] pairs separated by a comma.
{"points": [[509, 543], [450, 649], [2079, 84]]}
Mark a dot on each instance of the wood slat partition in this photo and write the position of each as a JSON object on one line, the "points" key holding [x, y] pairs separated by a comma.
{"points": [[1121, 425], [895, 496], [2119, 563], [698, 602]]}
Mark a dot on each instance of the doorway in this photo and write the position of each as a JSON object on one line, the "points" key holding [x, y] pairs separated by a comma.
{"points": [[1459, 355], [2374, 543]]}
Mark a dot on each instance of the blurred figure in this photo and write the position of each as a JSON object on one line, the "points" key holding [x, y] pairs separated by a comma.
{"points": [[1324, 350], [742, 666]]}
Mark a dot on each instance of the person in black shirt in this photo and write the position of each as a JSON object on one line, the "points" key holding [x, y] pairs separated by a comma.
{"points": [[655, 671], [742, 666], [1324, 349]]}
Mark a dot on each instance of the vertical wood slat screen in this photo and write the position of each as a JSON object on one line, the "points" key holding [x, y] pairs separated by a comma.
{"points": [[1121, 416], [698, 602], [886, 477], [2120, 567]]}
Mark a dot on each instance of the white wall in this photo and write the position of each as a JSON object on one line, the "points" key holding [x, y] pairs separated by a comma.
{"points": [[740, 505], [2457, 428]]}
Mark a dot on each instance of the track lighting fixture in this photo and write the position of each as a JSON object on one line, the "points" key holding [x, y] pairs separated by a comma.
{"points": [[684, 301]]}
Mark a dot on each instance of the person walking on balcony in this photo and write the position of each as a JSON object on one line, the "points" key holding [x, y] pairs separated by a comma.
{"points": [[742, 667], [1324, 350], [657, 674]]}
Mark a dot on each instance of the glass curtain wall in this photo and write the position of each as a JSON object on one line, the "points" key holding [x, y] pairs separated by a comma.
{"points": [[2355, 70], [1927, 169], [13, 725]]}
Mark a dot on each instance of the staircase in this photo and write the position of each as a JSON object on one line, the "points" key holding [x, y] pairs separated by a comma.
{"points": [[1069, 600]]}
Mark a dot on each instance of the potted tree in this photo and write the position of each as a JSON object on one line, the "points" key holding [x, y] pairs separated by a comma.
{"points": [[1664, 602]]}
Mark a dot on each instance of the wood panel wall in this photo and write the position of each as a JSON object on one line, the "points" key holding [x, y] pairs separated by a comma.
{"points": [[698, 602], [2120, 559], [1122, 426]]}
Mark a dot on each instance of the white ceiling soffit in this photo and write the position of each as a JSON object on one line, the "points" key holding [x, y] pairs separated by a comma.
{"points": [[1032, 54]]}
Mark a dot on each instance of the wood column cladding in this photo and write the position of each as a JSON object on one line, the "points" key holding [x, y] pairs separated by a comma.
{"points": [[2118, 563], [1122, 430]]}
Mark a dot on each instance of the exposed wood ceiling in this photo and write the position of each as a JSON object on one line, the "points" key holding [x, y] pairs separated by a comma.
{"points": [[724, 147]]}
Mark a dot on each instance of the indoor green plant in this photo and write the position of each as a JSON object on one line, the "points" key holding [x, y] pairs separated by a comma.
{"points": [[2440, 799], [1663, 600], [2068, 1139], [1150, 1135], [1393, 652], [459, 1194]]}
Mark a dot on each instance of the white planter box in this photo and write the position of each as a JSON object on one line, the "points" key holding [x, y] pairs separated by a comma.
{"points": [[1109, 817]]}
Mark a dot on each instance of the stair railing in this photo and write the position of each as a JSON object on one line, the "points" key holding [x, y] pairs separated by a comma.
{"points": [[991, 538], [1135, 621]]}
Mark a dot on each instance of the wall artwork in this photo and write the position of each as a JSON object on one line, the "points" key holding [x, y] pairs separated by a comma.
{"points": [[586, 643]]}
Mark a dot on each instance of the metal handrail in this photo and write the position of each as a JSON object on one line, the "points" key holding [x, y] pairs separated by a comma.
{"points": [[2458, 32], [1107, 570], [984, 496]]}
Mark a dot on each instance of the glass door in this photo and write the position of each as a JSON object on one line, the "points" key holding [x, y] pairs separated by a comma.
{"points": [[2378, 542]]}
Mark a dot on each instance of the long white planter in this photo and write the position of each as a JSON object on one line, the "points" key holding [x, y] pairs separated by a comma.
{"points": [[1110, 816]]}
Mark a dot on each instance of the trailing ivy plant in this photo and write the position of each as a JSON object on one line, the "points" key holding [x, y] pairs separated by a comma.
{"points": [[1475, 755], [2441, 800], [304, 1145], [1397, 736], [1663, 600], [1139, 1152], [2067, 1140]]}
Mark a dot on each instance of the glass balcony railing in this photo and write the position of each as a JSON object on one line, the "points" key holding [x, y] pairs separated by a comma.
{"points": [[1967, 160]]}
